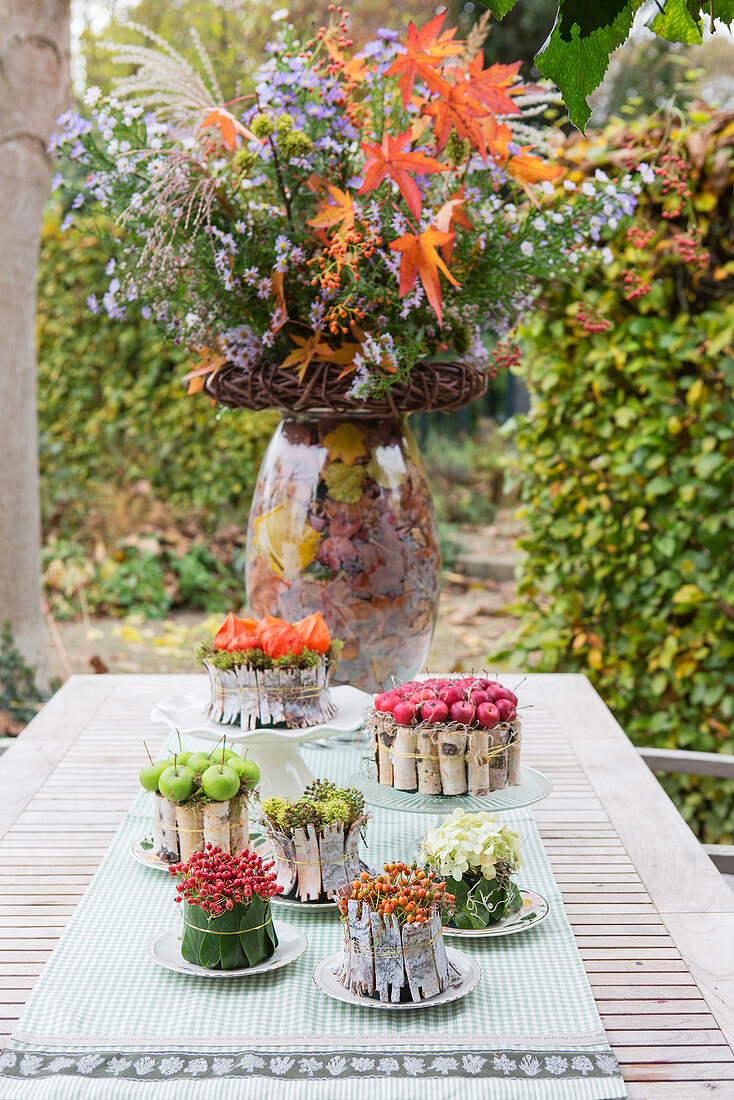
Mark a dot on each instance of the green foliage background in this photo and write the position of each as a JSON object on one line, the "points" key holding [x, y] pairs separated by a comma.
{"points": [[628, 470]]}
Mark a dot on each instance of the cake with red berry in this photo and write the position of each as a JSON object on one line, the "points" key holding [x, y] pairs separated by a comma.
{"points": [[453, 735], [271, 672]]}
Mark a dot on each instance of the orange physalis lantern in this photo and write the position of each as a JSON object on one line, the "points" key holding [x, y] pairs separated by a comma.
{"points": [[314, 633], [279, 638]]}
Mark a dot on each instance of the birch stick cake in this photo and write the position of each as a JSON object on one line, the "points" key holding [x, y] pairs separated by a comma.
{"points": [[393, 943], [200, 799], [447, 736], [270, 673], [314, 840]]}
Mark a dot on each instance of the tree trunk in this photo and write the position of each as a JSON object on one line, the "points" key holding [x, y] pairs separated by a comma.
{"points": [[34, 90]]}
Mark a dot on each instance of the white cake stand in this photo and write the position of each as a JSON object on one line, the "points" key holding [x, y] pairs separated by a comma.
{"points": [[274, 750]]}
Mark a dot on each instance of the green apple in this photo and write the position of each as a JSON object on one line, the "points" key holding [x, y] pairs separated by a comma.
{"points": [[198, 762], [247, 770], [183, 757], [151, 773], [220, 782], [220, 755], [176, 783]]}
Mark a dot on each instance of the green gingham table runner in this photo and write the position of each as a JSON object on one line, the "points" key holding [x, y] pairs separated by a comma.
{"points": [[103, 1021]]}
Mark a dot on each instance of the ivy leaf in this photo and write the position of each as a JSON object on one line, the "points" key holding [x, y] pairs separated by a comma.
{"points": [[676, 24], [344, 482], [500, 8], [577, 54], [346, 443]]}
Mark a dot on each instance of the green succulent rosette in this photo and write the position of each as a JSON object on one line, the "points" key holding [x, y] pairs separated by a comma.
{"points": [[241, 937], [477, 855]]}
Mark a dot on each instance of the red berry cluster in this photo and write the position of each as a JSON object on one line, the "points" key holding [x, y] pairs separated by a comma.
{"points": [[592, 323], [506, 356], [471, 701], [404, 890], [214, 880]]}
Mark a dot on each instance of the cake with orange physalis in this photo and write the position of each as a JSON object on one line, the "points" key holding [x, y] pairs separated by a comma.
{"points": [[271, 672]]}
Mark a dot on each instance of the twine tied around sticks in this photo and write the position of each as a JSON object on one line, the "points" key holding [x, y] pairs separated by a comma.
{"points": [[227, 932], [210, 829], [349, 941], [479, 760]]}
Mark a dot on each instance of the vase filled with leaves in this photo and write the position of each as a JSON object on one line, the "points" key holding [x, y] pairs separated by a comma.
{"points": [[352, 240]]}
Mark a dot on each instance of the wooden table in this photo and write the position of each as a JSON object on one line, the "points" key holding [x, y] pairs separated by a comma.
{"points": [[653, 918]]}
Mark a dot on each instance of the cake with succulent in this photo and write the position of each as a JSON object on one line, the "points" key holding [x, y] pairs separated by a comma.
{"points": [[393, 943], [314, 839], [271, 672], [200, 799], [225, 903], [479, 855], [450, 736]]}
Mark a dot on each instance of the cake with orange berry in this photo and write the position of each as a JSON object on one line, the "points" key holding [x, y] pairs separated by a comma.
{"points": [[449, 735], [271, 672], [393, 946]]}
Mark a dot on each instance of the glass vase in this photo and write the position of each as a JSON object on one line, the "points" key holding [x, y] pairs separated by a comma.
{"points": [[342, 522]]}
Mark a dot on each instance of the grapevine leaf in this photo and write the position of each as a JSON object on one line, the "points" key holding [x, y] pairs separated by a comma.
{"points": [[346, 443], [500, 8], [676, 24], [578, 50]]}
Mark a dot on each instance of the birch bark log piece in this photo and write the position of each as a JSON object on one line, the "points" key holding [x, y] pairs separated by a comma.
{"points": [[169, 851], [385, 741], [284, 853], [306, 843], [405, 775], [239, 826], [190, 825], [272, 698], [230, 697], [388, 955], [429, 773], [248, 698], [426, 963], [513, 756], [498, 760], [332, 853], [217, 816], [215, 710], [452, 760], [477, 764], [351, 847], [358, 970]]}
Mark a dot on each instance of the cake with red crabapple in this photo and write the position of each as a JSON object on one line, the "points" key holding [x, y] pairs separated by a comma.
{"points": [[447, 735]]}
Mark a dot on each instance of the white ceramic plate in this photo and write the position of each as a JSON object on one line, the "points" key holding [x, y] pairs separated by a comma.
{"points": [[185, 713], [534, 909], [533, 787], [166, 951], [142, 850], [468, 976]]}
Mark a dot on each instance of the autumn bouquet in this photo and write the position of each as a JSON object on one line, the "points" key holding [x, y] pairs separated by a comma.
{"points": [[360, 212], [270, 672]]}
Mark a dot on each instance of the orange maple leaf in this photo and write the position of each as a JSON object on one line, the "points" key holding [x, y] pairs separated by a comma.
{"points": [[424, 51], [523, 168], [492, 86], [451, 214], [314, 347], [421, 258], [229, 127], [457, 110], [388, 158], [340, 209], [210, 361]]}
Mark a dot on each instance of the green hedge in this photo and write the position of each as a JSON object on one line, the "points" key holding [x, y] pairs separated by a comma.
{"points": [[628, 471], [112, 411]]}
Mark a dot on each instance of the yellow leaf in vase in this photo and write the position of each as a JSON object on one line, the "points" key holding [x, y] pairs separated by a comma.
{"points": [[286, 538], [388, 468], [345, 444], [344, 482]]}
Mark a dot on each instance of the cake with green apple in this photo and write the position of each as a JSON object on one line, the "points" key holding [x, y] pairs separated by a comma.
{"points": [[200, 799], [271, 672]]}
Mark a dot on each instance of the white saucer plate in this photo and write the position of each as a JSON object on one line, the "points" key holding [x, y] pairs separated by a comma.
{"points": [[143, 851], [534, 909], [165, 950], [467, 977], [186, 714]]}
